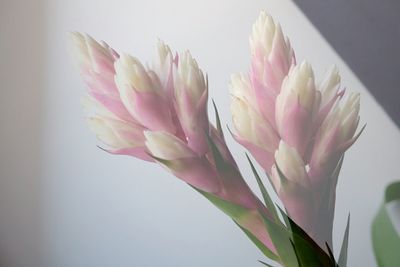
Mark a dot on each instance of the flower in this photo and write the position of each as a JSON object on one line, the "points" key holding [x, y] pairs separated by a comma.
{"points": [[296, 128], [159, 114]]}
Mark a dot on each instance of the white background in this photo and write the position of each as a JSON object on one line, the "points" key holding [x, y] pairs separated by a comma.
{"points": [[63, 202]]}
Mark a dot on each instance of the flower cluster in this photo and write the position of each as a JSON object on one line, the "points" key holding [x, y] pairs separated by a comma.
{"points": [[296, 128], [159, 114]]}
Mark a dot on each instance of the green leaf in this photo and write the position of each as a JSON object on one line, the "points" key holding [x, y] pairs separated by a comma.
{"points": [[331, 256], [308, 252], [232, 210], [343, 251], [220, 163], [265, 250], [282, 176], [386, 240], [267, 199], [297, 254], [281, 239], [218, 120], [284, 180]]}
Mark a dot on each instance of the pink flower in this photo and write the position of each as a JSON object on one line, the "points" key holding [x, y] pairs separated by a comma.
{"points": [[289, 121], [159, 113]]}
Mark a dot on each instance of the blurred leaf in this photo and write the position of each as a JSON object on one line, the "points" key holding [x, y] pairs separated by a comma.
{"points": [[392, 192], [343, 251], [386, 240]]}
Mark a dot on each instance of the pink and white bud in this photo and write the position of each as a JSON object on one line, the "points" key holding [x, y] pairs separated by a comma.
{"points": [[240, 87], [268, 43], [293, 188], [142, 94], [329, 85], [191, 96], [163, 65], [296, 107], [291, 164], [120, 137], [91, 55], [183, 162], [254, 133], [272, 57], [336, 135], [166, 146], [96, 64]]}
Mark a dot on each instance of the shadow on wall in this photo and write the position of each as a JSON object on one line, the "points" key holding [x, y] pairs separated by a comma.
{"points": [[22, 50]]}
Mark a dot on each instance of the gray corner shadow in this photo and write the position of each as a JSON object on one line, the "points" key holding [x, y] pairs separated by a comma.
{"points": [[366, 34], [22, 64]]}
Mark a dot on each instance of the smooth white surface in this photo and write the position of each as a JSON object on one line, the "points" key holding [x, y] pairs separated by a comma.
{"points": [[79, 206]]}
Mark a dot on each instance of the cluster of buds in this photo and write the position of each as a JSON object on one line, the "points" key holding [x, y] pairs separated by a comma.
{"points": [[159, 114], [296, 129]]}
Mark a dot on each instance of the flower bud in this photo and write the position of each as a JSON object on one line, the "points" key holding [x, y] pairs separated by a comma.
{"points": [[119, 136], [334, 137], [291, 164], [91, 55], [191, 95], [189, 78], [254, 133], [329, 85], [166, 146], [163, 65], [263, 34], [296, 107], [272, 57], [142, 94], [176, 156], [96, 63], [293, 187], [132, 73]]}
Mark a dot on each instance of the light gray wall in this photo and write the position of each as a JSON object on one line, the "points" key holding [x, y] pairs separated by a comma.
{"points": [[66, 203]]}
